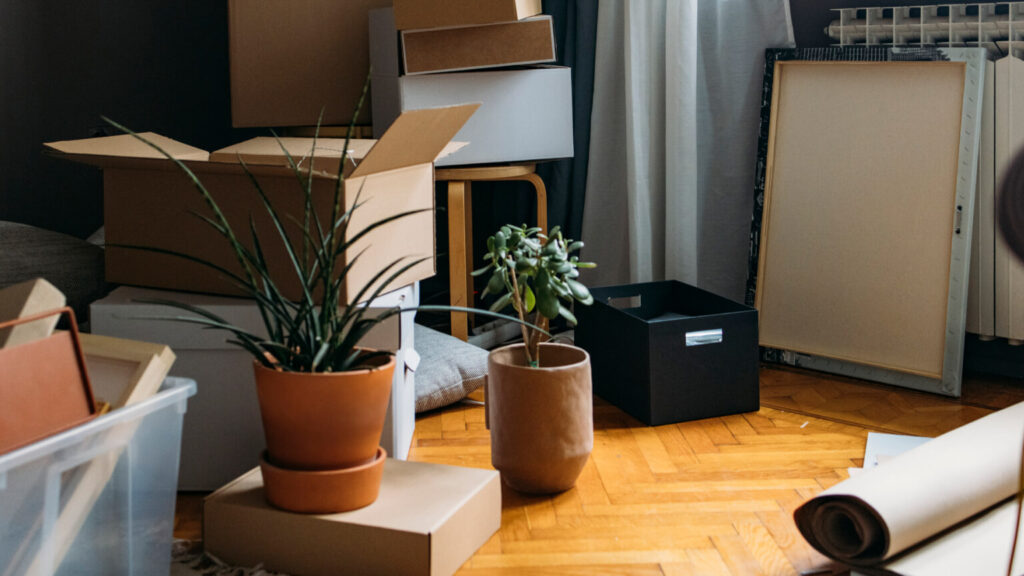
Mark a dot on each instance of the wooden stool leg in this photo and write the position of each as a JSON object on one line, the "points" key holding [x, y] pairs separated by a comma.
{"points": [[542, 200], [457, 241], [468, 216]]}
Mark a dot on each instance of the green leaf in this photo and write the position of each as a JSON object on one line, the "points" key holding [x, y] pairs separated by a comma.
{"points": [[579, 291], [547, 302], [574, 246], [501, 303], [531, 299], [482, 271], [525, 264], [496, 285], [565, 313]]}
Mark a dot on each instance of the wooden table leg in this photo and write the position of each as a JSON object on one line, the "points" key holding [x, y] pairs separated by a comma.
{"points": [[457, 242]]}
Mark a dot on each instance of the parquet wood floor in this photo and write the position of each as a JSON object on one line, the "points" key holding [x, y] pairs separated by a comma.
{"points": [[709, 497]]}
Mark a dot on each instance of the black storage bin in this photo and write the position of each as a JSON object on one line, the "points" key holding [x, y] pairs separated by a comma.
{"points": [[668, 352]]}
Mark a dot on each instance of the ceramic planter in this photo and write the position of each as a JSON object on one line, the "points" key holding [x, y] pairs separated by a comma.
{"points": [[541, 419], [323, 491], [325, 423]]}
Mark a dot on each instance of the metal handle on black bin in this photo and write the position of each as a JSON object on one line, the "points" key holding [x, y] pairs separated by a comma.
{"points": [[704, 337]]}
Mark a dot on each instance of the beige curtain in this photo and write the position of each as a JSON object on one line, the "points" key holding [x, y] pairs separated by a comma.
{"points": [[677, 92]]}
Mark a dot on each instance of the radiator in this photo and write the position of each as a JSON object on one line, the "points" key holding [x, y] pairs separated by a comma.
{"points": [[995, 305]]}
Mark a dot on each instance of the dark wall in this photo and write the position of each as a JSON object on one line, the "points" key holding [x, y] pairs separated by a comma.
{"points": [[158, 65], [811, 17]]}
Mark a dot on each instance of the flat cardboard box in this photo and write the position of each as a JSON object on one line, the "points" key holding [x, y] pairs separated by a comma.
{"points": [[26, 299], [428, 520], [223, 434], [413, 14], [148, 201], [291, 58], [529, 41], [525, 114], [668, 352]]}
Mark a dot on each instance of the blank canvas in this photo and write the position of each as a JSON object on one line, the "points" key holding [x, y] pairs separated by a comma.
{"points": [[860, 207]]}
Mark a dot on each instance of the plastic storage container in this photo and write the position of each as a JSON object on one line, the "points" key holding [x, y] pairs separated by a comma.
{"points": [[97, 499]]}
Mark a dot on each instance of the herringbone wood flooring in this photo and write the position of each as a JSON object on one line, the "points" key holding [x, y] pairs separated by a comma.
{"points": [[709, 497]]}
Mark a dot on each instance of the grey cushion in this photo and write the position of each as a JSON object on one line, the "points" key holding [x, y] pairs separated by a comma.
{"points": [[74, 266], [449, 368]]}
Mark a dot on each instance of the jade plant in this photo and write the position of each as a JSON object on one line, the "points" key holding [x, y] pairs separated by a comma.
{"points": [[317, 333], [535, 273]]}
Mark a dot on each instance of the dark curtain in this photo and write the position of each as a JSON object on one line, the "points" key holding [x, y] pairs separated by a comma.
{"points": [[497, 203], [575, 36]]}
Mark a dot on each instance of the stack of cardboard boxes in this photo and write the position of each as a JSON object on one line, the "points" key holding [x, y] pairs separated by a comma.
{"points": [[427, 53], [290, 59]]}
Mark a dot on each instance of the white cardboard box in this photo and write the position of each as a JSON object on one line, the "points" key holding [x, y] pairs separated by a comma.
{"points": [[223, 434], [428, 520], [525, 114]]}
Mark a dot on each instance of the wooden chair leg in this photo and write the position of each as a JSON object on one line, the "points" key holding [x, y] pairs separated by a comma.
{"points": [[542, 200], [457, 242], [467, 203]]}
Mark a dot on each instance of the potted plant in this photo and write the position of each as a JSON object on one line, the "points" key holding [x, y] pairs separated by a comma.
{"points": [[323, 398], [539, 398]]}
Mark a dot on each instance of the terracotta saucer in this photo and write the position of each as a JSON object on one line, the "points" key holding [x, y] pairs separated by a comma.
{"points": [[323, 491]]}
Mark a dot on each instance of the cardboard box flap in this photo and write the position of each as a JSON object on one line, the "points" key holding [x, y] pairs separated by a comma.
{"points": [[415, 137], [266, 151], [98, 151]]}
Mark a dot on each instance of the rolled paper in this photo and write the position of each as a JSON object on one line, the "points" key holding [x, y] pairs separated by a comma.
{"points": [[885, 510]]}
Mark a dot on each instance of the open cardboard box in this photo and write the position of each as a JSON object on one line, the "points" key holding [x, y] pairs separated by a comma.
{"points": [[148, 202]]}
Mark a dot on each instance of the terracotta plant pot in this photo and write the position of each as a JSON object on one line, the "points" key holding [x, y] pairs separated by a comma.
{"points": [[323, 421], [323, 491], [541, 419]]}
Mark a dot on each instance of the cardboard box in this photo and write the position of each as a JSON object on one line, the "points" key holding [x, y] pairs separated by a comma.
{"points": [[525, 114], [529, 41], [428, 520], [668, 352], [223, 434], [412, 14], [148, 201], [291, 58]]}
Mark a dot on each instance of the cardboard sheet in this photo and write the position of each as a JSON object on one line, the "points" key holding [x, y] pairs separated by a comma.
{"points": [[888, 509], [529, 41], [859, 212]]}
